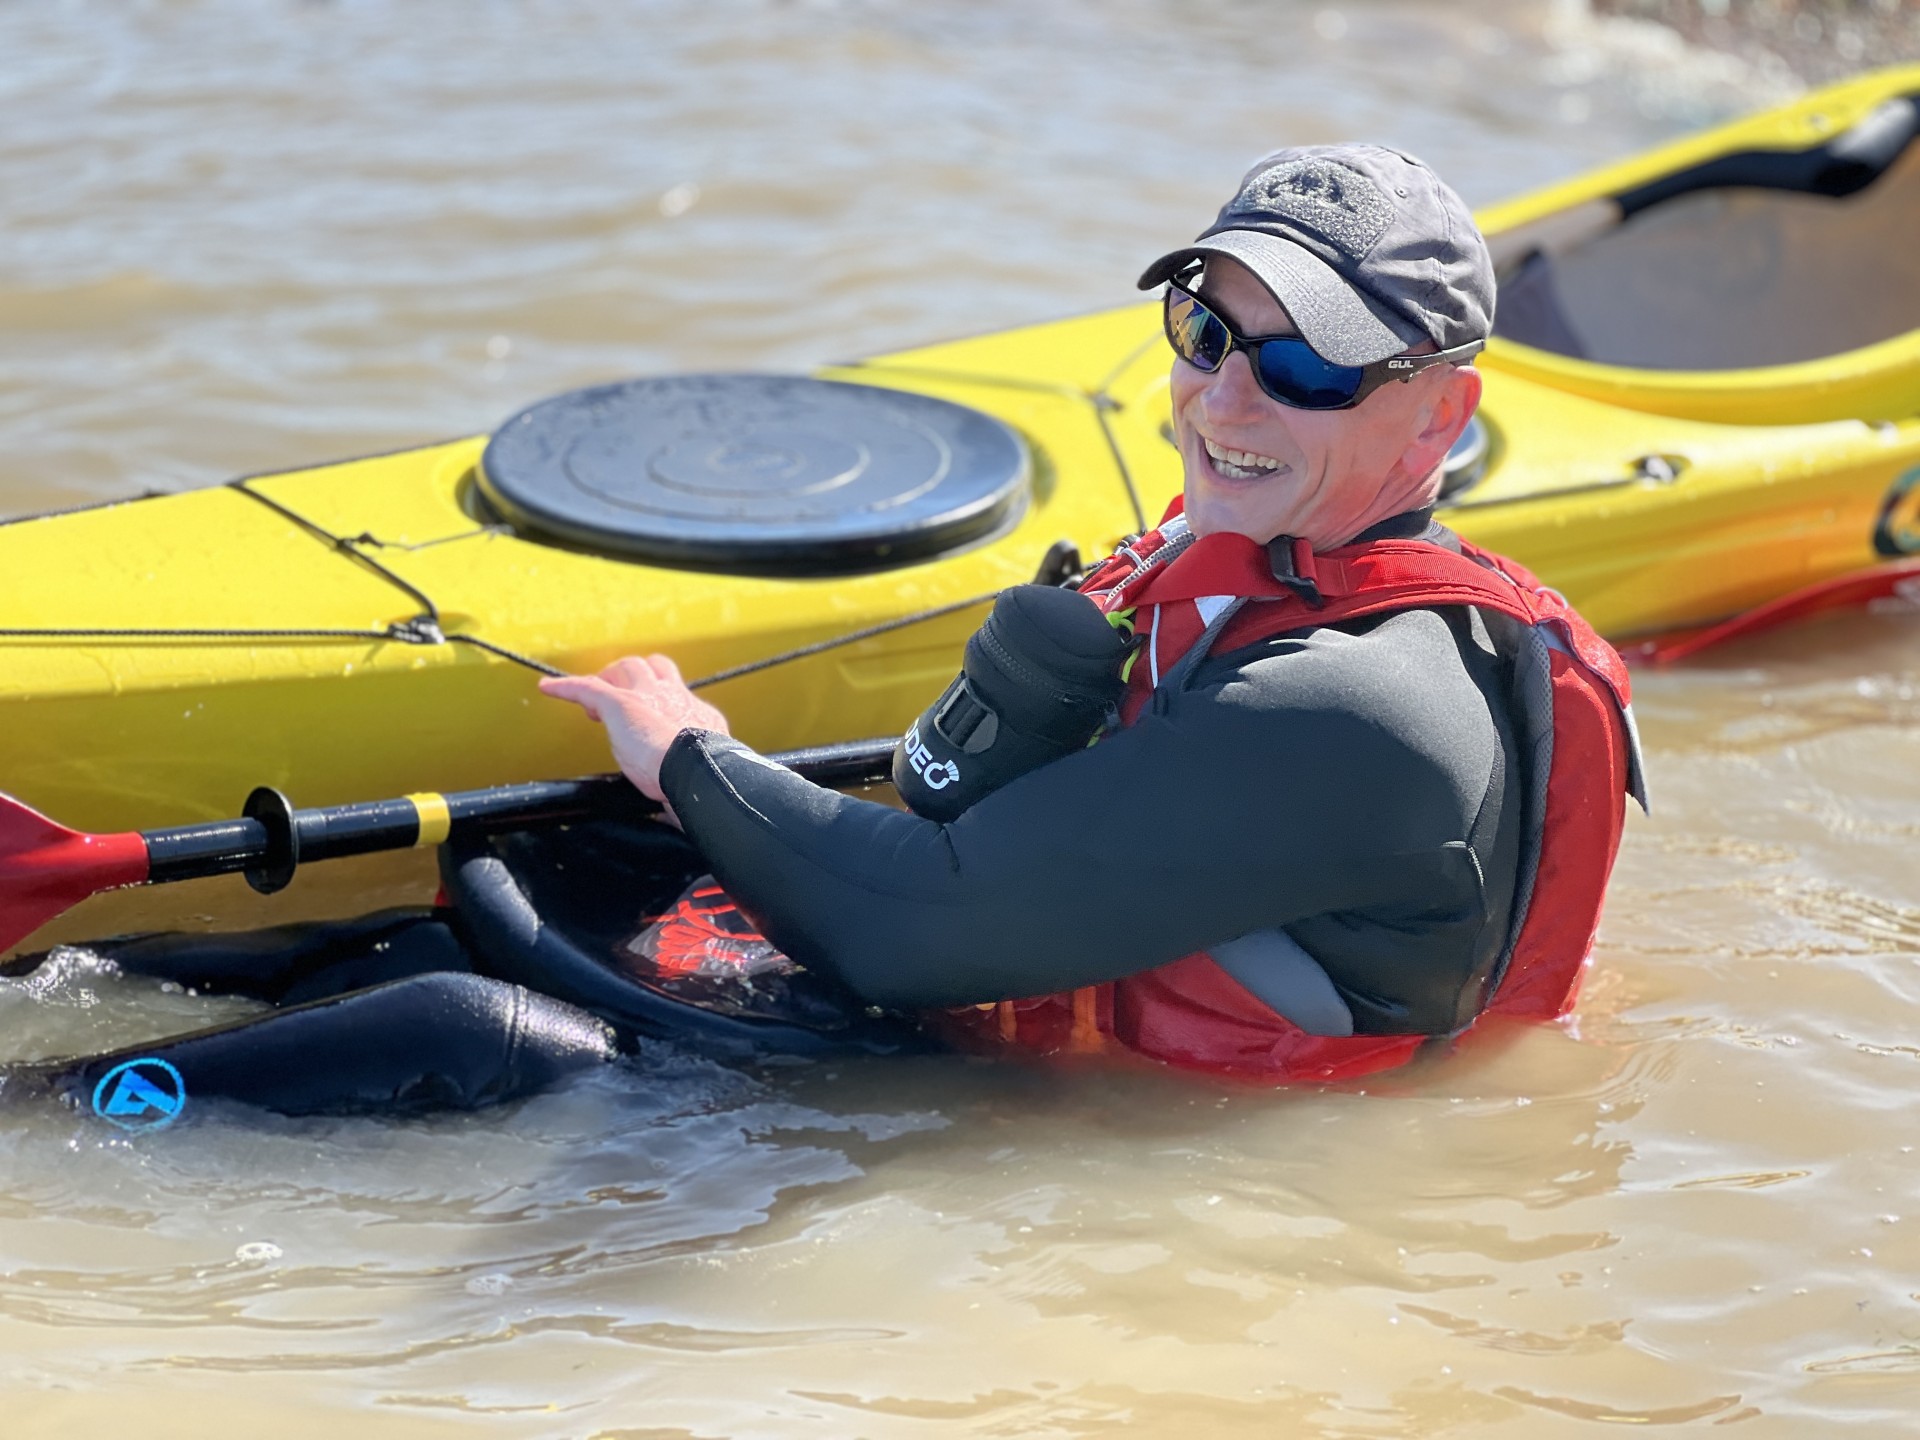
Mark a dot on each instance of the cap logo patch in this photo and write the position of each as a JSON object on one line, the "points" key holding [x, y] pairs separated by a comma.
{"points": [[1329, 201]]}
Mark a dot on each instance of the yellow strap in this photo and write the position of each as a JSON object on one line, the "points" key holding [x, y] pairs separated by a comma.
{"points": [[1086, 1037], [436, 821], [1009, 1021]]}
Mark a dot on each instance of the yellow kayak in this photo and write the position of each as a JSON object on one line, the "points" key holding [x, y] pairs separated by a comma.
{"points": [[360, 629]]}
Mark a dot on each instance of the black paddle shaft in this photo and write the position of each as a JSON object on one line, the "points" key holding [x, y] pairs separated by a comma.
{"points": [[272, 839]]}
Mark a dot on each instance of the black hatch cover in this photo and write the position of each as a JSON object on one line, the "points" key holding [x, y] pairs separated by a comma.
{"points": [[767, 473]]}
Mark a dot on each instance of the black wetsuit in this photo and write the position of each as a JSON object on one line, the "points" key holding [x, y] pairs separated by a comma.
{"points": [[386, 1015], [1335, 814], [1354, 789]]}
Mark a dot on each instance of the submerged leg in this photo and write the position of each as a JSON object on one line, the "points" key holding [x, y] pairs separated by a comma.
{"points": [[439, 1041], [290, 963]]}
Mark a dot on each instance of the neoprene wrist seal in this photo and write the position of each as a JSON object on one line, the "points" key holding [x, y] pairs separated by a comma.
{"points": [[1039, 680]]}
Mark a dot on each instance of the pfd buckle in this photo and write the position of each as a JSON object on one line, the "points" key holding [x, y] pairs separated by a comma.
{"points": [[1291, 561]]}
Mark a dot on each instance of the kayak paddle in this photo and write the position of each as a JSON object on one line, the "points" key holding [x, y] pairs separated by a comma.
{"points": [[1857, 589], [46, 869]]}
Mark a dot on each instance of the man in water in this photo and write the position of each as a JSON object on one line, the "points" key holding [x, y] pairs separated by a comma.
{"points": [[1352, 783], [1364, 785]]}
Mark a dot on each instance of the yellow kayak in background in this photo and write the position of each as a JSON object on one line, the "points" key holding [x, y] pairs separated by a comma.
{"points": [[358, 629]]}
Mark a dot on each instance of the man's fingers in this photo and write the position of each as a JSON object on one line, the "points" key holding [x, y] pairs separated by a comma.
{"points": [[644, 704], [638, 671], [627, 672], [643, 672], [586, 691]]}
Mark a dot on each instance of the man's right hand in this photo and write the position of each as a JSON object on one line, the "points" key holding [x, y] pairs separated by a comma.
{"points": [[644, 704]]}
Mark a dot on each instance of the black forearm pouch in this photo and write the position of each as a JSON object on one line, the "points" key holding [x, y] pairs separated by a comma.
{"points": [[1039, 680]]}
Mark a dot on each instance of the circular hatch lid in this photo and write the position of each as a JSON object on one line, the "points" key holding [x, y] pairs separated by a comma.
{"points": [[770, 473]]}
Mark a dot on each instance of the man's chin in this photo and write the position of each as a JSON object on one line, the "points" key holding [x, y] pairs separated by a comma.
{"points": [[1254, 508]]}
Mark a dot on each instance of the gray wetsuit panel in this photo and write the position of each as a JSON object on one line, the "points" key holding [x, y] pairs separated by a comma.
{"points": [[1283, 976]]}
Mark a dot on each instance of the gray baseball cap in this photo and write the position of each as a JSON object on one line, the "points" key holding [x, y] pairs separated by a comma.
{"points": [[1368, 249]]}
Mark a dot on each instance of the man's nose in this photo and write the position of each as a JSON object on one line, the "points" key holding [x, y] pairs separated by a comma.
{"points": [[1234, 393]]}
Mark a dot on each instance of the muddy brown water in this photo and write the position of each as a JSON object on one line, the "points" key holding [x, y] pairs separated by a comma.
{"points": [[245, 236]]}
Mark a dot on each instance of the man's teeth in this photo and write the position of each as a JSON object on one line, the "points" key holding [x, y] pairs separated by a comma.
{"points": [[1239, 464]]}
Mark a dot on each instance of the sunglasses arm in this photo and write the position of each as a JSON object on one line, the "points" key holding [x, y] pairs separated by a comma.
{"points": [[1405, 367]]}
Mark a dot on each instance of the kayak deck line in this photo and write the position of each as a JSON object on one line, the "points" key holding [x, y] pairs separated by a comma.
{"points": [[423, 629], [852, 637], [413, 633], [426, 628]]}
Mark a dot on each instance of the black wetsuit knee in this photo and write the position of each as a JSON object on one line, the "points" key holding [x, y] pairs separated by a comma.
{"points": [[289, 964], [444, 1040]]}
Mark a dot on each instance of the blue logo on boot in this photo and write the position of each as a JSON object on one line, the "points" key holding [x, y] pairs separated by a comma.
{"points": [[144, 1094]]}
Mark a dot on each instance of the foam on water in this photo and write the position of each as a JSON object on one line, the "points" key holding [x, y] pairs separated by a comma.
{"points": [[77, 1003]]}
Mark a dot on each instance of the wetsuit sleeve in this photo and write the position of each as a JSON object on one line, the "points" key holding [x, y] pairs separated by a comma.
{"points": [[1223, 816]]}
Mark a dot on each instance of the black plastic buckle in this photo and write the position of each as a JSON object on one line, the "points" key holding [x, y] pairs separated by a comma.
{"points": [[1061, 565], [1291, 561]]}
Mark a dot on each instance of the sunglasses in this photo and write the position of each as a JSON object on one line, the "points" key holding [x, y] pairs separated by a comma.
{"points": [[1287, 367]]}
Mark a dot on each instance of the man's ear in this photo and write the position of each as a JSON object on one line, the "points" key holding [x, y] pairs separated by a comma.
{"points": [[1454, 398]]}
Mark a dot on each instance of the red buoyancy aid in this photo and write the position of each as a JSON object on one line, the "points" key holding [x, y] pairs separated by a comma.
{"points": [[1579, 760]]}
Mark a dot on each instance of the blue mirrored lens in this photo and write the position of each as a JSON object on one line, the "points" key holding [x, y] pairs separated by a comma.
{"points": [[1294, 374], [1288, 368]]}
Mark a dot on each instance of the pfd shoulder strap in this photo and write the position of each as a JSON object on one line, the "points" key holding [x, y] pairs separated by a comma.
{"points": [[1283, 586]]}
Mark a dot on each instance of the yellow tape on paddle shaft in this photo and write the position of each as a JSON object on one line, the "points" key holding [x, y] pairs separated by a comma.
{"points": [[436, 821]]}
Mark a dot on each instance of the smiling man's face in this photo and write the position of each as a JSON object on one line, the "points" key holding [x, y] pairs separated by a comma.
{"points": [[1258, 468]]}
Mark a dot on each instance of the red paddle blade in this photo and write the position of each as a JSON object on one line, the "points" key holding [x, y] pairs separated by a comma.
{"points": [[1845, 592], [47, 869]]}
